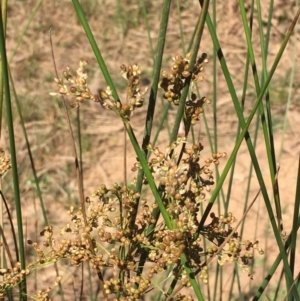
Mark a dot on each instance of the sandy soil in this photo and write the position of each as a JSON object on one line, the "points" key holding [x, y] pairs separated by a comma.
{"points": [[121, 34]]}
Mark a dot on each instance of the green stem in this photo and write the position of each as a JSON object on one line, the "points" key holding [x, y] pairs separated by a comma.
{"points": [[23, 289]]}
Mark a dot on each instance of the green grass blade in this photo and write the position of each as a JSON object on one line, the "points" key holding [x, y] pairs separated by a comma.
{"points": [[194, 50], [295, 226], [13, 233], [161, 122], [291, 84], [268, 33], [3, 11], [214, 100], [160, 204], [24, 30], [271, 155], [195, 44], [155, 83], [239, 113], [137, 149], [148, 174], [246, 135], [36, 180], [276, 263], [151, 107], [237, 107], [148, 29], [180, 27], [23, 286], [266, 126], [127, 125], [95, 48], [230, 184]]}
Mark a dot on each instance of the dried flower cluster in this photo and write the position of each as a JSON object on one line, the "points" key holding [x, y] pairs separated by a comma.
{"points": [[185, 180], [75, 86], [122, 232], [12, 276], [44, 294], [135, 98], [124, 239], [237, 250], [173, 83]]}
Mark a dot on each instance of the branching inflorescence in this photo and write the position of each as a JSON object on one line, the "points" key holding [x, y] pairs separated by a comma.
{"points": [[123, 225]]}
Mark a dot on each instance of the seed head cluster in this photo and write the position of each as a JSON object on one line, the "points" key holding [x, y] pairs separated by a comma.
{"points": [[134, 96], [236, 250], [75, 86], [173, 83], [186, 181], [122, 233]]}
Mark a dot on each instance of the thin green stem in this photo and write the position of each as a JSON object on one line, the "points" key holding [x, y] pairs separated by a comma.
{"points": [[23, 289], [95, 48], [245, 135], [194, 52]]}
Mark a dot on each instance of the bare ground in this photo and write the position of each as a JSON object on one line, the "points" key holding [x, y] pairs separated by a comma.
{"points": [[122, 37]]}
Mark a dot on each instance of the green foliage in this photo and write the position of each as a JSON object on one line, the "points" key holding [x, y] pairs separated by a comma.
{"points": [[153, 236]]}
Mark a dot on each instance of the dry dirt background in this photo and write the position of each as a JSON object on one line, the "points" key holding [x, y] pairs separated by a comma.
{"points": [[121, 34]]}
